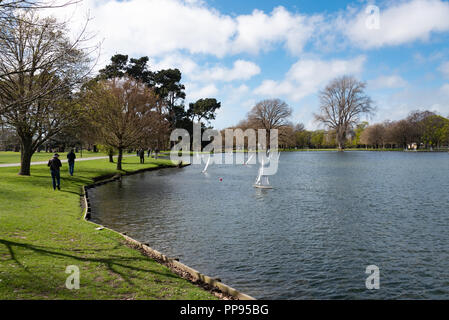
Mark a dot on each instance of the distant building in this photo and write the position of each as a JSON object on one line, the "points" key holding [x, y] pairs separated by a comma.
{"points": [[412, 146]]}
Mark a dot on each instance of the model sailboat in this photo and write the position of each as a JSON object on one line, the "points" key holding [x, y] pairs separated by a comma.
{"points": [[262, 181], [207, 165]]}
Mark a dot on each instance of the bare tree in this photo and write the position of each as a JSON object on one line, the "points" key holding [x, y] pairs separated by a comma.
{"points": [[33, 4], [7, 7], [374, 135], [287, 136], [400, 133], [299, 127], [269, 114], [122, 111], [41, 68], [10, 18], [343, 101]]}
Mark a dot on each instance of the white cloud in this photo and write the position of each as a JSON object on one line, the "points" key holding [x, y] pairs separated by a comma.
{"points": [[233, 95], [445, 89], [398, 105], [307, 76], [194, 92], [242, 70], [401, 22], [444, 69], [248, 104], [259, 31], [158, 27], [392, 81], [242, 89], [185, 64], [161, 26]]}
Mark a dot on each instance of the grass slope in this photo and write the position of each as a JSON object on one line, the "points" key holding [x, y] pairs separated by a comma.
{"points": [[42, 232]]}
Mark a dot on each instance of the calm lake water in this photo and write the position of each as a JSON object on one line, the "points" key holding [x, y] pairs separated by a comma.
{"points": [[329, 216]]}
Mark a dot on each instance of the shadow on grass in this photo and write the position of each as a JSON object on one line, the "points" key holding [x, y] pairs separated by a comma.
{"points": [[112, 262], [13, 257]]}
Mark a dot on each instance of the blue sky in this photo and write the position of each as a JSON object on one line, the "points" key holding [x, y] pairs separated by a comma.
{"points": [[241, 52]]}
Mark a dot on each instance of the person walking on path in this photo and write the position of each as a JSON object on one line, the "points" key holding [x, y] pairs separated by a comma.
{"points": [[71, 156], [142, 156], [54, 165]]}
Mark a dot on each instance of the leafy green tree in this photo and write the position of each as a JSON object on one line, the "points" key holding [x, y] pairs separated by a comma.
{"points": [[109, 150], [358, 132], [317, 138], [303, 139], [116, 69], [121, 66], [416, 121], [138, 69], [434, 130], [166, 83], [204, 109], [169, 87]]}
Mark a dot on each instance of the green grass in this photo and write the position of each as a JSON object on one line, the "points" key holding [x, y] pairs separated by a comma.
{"points": [[14, 157], [42, 231], [347, 149]]}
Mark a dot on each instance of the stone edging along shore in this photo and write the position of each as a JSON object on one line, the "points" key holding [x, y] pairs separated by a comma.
{"points": [[214, 285]]}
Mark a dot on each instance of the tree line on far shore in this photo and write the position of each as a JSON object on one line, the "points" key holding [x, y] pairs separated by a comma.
{"points": [[342, 104], [420, 130]]}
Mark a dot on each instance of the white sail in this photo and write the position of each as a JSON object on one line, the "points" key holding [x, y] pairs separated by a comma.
{"points": [[259, 177], [207, 165], [262, 180], [249, 159]]}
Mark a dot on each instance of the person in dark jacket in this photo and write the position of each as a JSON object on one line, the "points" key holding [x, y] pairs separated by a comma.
{"points": [[54, 165], [142, 156], [71, 156]]}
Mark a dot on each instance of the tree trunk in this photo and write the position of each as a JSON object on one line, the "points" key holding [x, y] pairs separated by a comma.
{"points": [[26, 153], [119, 159], [111, 157], [340, 140], [340, 146], [268, 140]]}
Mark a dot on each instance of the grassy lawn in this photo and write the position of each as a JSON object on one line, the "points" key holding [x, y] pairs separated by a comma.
{"points": [[14, 157], [164, 153], [347, 149], [42, 232]]}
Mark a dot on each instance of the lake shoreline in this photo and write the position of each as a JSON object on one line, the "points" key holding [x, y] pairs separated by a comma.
{"points": [[213, 285]]}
